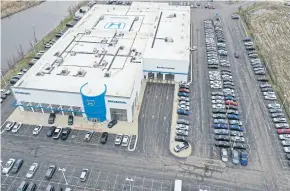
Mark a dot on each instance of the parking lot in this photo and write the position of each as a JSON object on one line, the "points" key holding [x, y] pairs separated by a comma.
{"points": [[155, 119], [76, 137]]}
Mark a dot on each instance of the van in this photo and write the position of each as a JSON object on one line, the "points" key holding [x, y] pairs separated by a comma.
{"points": [[22, 186], [49, 188]]}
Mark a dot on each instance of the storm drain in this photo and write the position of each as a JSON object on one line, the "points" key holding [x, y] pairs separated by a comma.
{"points": [[133, 143]]}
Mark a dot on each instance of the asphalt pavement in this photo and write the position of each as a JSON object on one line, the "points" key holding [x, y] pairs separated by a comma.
{"points": [[7, 108]]}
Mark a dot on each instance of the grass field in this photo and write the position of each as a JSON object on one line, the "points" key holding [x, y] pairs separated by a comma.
{"points": [[9, 7]]}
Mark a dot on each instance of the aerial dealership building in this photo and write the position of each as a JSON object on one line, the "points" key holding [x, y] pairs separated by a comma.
{"points": [[96, 68]]}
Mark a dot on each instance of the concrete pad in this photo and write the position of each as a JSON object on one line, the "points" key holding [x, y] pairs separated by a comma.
{"points": [[187, 152], [81, 123]]}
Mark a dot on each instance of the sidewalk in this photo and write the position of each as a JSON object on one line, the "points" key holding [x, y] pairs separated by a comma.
{"points": [[81, 123], [187, 152]]}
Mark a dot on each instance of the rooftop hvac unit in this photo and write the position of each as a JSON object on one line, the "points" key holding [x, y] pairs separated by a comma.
{"points": [[168, 39], [56, 54], [87, 31], [107, 74], [133, 50], [59, 60], [64, 71], [95, 50], [81, 72], [121, 47], [39, 74], [72, 53], [136, 18], [104, 51]]}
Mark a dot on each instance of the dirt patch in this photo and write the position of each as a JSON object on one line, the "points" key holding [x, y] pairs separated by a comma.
{"points": [[270, 26], [9, 7]]}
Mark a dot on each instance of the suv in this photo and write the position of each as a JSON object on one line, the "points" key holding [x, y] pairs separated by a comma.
{"points": [[183, 121], [50, 171], [51, 118], [84, 175], [50, 131], [22, 186], [65, 133], [70, 120], [180, 147], [17, 166], [112, 123]]}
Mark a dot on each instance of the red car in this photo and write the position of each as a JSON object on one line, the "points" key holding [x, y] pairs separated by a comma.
{"points": [[229, 102], [183, 90], [283, 131]]}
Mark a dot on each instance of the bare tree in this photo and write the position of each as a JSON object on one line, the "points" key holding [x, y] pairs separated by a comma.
{"points": [[20, 52], [10, 64], [34, 35]]}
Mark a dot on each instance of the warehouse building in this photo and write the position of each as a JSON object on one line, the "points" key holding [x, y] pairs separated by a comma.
{"points": [[96, 68]]}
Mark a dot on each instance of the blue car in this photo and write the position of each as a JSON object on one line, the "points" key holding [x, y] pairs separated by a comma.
{"points": [[244, 158], [233, 116], [183, 94], [236, 128], [182, 112], [220, 126]]}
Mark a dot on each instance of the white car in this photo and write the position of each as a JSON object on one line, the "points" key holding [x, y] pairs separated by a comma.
{"points": [[9, 164], [10, 125], [37, 129], [5, 91], [217, 101], [181, 147], [16, 127], [217, 97], [270, 97], [182, 127], [286, 149], [118, 139], [284, 137], [184, 103], [57, 132], [238, 139], [32, 170], [183, 98], [181, 132], [285, 143], [214, 106], [184, 107], [125, 140], [224, 155], [274, 106]]}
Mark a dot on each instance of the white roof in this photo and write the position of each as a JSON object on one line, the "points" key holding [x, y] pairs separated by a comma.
{"points": [[109, 40]]}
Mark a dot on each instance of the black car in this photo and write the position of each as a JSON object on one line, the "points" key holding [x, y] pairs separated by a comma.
{"points": [[31, 187], [70, 120], [180, 138], [17, 166], [112, 123], [222, 144], [236, 55], [51, 118], [239, 146], [287, 156], [50, 171], [65, 133], [104, 137], [50, 131]]}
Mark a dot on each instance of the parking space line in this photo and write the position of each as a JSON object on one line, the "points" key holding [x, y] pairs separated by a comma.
{"points": [[97, 179], [115, 181]]}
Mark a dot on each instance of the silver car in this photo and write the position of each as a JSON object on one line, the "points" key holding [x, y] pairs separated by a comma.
{"points": [[235, 157], [183, 121], [279, 120], [224, 155], [284, 137], [285, 143], [32, 170], [181, 132], [274, 106]]}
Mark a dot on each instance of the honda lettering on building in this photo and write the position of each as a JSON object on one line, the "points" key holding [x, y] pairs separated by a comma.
{"points": [[162, 67], [113, 101], [25, 93]]}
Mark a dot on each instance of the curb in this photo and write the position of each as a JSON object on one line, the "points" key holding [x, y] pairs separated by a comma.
{"points": [[134, 146]]}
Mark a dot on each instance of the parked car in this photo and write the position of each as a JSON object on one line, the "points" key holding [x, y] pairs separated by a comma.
{"points": [[9, 125], [181, 132], [65, 133], [84, 175], [37, 129], [284, 137], [224, 155], [183, 99], [222, 144], [104, 137], [70, 120], [181, 146], [50, 171], [184, 90], [49, 188], [16, 166], [57, 133], [183, 94], [23, 186], [50, 131], [7, 167], [182, 112], [112, 123], [285, 143], [88, 136], [51, 118], [183, 121], [286, 149], [239, 146], [118, 139], [180, 138], [33, 168], [283, 131], [235, 157], [16, 127], [31, 187], [282, 125]]}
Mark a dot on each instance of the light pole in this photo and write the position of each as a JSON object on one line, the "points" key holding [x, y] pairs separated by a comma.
{"points": [[285, 97], [130, 180], [3, 78], [63, 170]]}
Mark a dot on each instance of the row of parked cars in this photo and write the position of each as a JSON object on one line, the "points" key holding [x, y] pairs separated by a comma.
{"points": [[275, 109], [228, 130], [5, 93], [182, 126], [13, 166]]}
